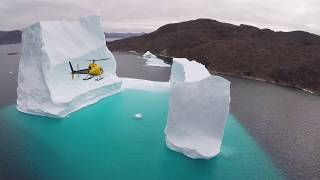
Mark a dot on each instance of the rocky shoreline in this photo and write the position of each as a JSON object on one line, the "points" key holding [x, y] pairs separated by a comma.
{"points": [[168, 59], [266, 81]]}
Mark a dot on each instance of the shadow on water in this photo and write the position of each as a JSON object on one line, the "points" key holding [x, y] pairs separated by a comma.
{"points": [[105, 141]]}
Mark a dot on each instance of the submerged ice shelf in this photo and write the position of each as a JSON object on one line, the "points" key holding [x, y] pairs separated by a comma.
{"points": [[45, 86], [113, 142]]}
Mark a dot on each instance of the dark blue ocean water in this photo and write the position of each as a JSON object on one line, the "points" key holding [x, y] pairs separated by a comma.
{"points": [[105, 141]]}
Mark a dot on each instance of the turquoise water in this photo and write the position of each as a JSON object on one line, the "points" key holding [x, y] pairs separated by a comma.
{"points": [[105, 141]]}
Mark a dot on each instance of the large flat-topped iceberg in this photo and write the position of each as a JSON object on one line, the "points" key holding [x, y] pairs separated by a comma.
{"points": [[45, 86], [198, 110]]}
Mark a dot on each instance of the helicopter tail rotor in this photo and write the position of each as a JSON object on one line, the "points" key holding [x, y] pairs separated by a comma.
{"points": [[71, 67], [78, 69], [72, 70]]}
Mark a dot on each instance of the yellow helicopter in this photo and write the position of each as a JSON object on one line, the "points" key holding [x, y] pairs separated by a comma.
{"points": [[93, 70]]}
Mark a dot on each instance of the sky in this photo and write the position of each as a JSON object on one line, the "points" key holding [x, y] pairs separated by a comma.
{"points": [[148, 15]]}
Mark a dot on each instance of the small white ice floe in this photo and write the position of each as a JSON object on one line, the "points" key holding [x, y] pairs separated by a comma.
{"points": [[134, 52], [10, 72], [138, 116], [308, 91]]}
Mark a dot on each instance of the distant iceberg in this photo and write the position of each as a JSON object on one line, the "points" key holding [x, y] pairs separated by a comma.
{"points": [[148, 54], [153, 60], [45, 86], [198, 110]]}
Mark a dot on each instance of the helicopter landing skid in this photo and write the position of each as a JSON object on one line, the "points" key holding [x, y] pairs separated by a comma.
{"points": [[90, 77], [99, 78]]}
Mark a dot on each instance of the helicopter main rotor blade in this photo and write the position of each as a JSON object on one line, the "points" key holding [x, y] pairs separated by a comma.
{"points": [[99, 59]]}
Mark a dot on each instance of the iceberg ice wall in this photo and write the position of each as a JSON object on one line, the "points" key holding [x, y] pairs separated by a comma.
{"points": [[198, 110], [45, 86]]}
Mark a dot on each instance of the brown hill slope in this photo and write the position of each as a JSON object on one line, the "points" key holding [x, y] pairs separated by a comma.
{"points": [[288, 58]]}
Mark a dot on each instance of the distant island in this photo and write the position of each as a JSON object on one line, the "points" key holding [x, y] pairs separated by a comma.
{"points": [[10, 37], [285, 58], [14, 37], [122, 35]]}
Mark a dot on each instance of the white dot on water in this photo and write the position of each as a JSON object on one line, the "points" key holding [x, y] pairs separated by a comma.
{"points": [[138, 116]]}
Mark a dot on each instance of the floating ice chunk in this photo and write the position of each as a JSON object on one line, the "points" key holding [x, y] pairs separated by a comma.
{"points": [[45, 86], [133, 52], [153, 60], [138, 116], [198, 110], [148, 54], [156, 62]]}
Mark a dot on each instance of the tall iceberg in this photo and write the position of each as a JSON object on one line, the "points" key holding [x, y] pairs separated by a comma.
{"points": [[198, 110], [45, 86]]}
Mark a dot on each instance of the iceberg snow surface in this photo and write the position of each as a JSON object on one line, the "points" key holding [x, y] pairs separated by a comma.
{"points": [[45, 86], [198, 110], [184, 70]]}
